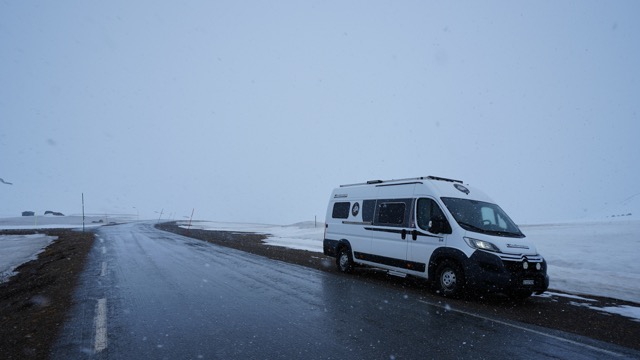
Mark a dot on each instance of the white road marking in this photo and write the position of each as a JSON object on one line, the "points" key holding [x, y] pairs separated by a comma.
{"points": [[101, 326], [448, 308], [103, 272]]}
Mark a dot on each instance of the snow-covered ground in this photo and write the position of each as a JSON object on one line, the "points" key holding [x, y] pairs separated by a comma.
{"points": [[587, 258], [57, 222], [15, 250], [18, 249], [302, 236], [595, 258]]}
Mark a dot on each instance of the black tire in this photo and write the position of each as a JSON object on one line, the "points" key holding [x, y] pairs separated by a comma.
{"points": [[344, 260], [450, 280]]}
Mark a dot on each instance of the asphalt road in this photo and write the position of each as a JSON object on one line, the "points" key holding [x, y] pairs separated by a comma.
{"points": [[151, 294]]}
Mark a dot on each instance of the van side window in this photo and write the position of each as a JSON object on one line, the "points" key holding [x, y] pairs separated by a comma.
{"points": [[393, 212], [368, 209], [428, 212], [341, 210]]}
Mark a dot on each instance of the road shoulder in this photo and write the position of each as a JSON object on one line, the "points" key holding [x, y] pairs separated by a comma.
{"points": [[35, 301], [557, 312]]}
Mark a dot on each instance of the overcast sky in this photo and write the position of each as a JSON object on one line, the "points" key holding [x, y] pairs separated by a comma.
{"points": [[252, 111]]}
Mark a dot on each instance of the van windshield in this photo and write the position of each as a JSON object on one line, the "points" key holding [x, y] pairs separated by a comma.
{"points": [[482, 217]]}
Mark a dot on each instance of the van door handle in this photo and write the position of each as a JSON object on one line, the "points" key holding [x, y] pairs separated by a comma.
{"points": [[414, 234], [403, 234]]}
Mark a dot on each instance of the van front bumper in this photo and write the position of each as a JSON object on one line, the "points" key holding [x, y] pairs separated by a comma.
{"points": [[506, 273]]}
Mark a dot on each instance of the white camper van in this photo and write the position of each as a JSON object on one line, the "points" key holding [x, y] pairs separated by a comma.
{"points": [[435, 228]]}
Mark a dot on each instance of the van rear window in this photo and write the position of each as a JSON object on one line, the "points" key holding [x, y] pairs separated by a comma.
{"points": [[341, 210]]}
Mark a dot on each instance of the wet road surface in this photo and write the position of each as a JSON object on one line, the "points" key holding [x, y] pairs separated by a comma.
{"points": [[151, 294]]}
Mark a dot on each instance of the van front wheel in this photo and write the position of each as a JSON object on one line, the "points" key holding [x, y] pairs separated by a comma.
{"points": [[450, 279], [344, 262]]}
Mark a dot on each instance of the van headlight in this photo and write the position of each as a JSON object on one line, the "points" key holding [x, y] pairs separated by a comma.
{"points": [[481, 244]]}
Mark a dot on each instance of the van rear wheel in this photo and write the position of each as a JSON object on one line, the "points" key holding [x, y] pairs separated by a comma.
{"points": [[450, 278], [344, 261]]}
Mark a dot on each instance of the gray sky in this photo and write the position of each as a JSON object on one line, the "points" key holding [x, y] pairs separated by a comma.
{"points": [[253, 111]]}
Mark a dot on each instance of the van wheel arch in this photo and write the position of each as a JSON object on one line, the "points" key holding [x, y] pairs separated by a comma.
{"points": [[442, 254], [447, 272]]}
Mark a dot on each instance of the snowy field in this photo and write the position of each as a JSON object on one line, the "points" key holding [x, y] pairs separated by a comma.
{"points": [[593, 258]]}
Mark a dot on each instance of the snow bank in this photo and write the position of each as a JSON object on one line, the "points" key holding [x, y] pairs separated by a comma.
{"points": [[19, 249], [302, 236]]}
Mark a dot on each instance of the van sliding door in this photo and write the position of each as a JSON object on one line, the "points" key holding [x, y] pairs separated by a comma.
{"points": [[390, 231]]}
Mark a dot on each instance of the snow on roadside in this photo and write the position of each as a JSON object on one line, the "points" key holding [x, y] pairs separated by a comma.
{"points": [[19, 249], [624, 310], [632, 312], [301, 236], [53, 222], [16, 250]]}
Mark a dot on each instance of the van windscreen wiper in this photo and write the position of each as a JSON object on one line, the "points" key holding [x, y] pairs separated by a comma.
{"points": [[509, 234], [471, 227], [492, 232]]}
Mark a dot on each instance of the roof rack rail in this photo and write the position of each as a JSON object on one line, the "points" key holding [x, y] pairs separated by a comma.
{"points": [[444, 179], [372, 182]]}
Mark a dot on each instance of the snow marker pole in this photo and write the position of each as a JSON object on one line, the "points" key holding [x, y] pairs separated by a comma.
{"points": [[82, 212], [189, 227]]}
